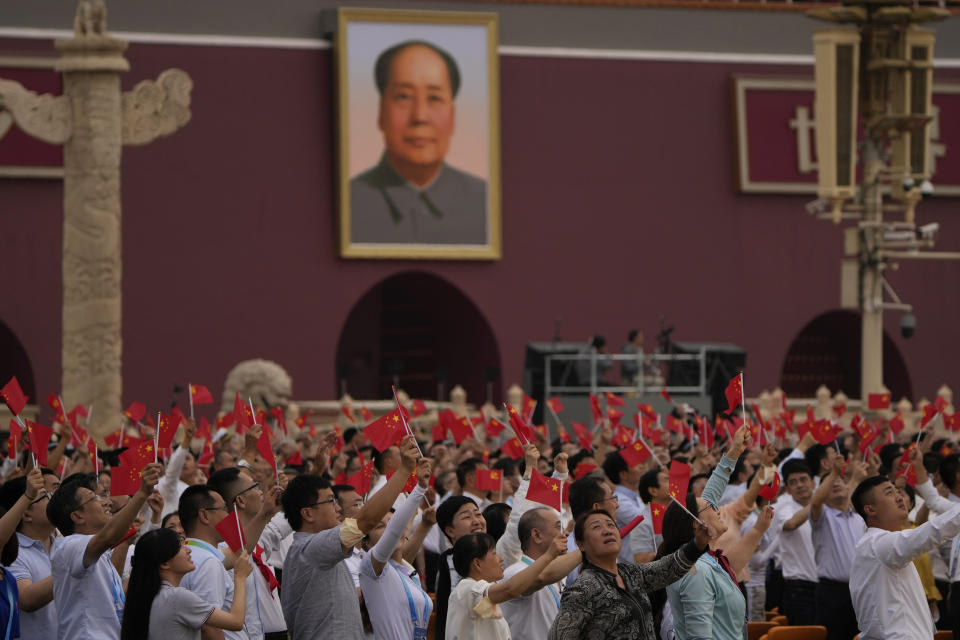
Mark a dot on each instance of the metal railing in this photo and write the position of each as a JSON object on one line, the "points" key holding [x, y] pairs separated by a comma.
{"points": [[644, 380]]}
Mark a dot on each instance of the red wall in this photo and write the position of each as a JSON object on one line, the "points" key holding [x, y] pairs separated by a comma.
{"points": [[618, 206]]}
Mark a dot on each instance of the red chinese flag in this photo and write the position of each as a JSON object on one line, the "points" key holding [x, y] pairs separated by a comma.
{"points": [[15, 430], [734, 393], [666, 396], [614, 416], [361, 480], [823, 431], [139, 455], [555, 405], [39, 439], [512, 448], [167, 430], [613, 400], [622, 437], [200, 394], [411, 481], [295, 460], [265, 450], [565, 436], [135, 412], [113, 440], [867, 438], [705, 432], [461, 429], [635, 454], [950, 421], [347, 411], [929, 411], [630, 526], [583, 469], [647, 410], [386, 431], [226, 420], [544, 490], [366, 414], [204, 430], [529, 404], [205, 459], [13, 396], [418, 407], [242, 416], [896, 424], [53, 400], [675, 424], [679, 481], [495, 427], [940, 403], [439, 433], [840, 409], [770, 491], [583, 435], [124, 480], [720, 427], [657, 511], [520, 427], [596, 409], [232, 531], [878, 401], [489, 479]]}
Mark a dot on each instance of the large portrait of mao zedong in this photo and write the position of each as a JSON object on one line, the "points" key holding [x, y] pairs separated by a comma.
{"points": [[418, 135]]}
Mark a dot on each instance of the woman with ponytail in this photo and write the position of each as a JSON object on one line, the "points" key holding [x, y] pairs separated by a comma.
{"points": [[158, 608]]}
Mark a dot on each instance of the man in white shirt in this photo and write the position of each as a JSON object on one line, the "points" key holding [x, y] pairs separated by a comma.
{"points": [[795, 547], [884, 584], [86, 585], [531, 614], [264, 615]]}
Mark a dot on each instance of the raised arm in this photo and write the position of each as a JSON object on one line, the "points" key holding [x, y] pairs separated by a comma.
{"points": [[897, 548], [721, 475], [11, 519], [398, 524], [822, 493], [508, 546], [740, 552], [379, 503], [53, 458], [517, 585], [557, 570], [120, 523], [749, 497], [233, 620]]}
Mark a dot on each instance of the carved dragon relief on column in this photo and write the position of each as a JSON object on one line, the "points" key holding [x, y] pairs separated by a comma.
{"points": [[93, 120]]}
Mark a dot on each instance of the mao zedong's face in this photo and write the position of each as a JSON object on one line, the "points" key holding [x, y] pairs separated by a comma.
{"points": [[417, 114]]}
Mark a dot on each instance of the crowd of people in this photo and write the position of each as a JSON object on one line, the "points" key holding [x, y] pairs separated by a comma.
{"points": [[322, 534]]}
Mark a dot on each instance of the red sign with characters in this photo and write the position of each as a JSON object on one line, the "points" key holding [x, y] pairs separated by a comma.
{"points": [[776, 141]]}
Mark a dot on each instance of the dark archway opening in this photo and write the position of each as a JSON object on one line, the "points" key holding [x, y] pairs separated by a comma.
{"points": [[14, 362], [421, 329], [827, 351]]}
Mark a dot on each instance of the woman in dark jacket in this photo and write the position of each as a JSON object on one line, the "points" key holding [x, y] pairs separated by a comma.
{"points": [[609, 600]]}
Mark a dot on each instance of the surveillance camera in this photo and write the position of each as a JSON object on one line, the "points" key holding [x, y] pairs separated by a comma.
{"points": [[908, 324], [928, 231], [926, 188], [908, 183]]}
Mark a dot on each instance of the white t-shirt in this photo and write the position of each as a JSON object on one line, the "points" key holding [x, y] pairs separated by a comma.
{"points": [[387, 600], [90, 599], [210, 580], [463, 620], [177, 614], [530, 616]]}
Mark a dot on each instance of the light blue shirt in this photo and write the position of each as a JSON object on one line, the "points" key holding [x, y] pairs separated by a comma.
{"points": [[835, 536], [717, 483], [629, 507], [706, 604], [89, 599], [33, 564]]}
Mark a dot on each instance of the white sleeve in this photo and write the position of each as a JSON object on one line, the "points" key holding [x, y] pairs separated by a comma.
{"points": [[168, 483], [508, 546], [274, 533], [793, 455], [934, 501], [897, 548], [385, 547]]}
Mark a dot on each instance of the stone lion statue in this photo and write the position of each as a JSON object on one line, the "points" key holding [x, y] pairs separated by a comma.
{"points": [[261, 380]]}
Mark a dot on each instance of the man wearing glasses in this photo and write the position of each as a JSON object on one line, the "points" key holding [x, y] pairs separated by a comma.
{"points": [[35, 534], [256, 507], [86, 585], [319, 599], [201, 509]]}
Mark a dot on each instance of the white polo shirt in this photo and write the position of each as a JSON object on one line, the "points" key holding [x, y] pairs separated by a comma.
{"points": [[90, 599], [530, 616]]}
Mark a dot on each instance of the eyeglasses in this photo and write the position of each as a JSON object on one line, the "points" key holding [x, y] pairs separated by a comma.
{"points": [[317, 504], [255, 485], [614, 497], [96, 497]]}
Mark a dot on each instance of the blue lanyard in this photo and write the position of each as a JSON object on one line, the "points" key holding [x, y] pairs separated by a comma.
{"points": [[193, 542], [119, 599], [527, 561], [12, 610], [413, 609]]}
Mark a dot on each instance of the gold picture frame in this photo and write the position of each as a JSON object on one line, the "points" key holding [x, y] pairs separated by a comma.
{"points": [[421, 186]]}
